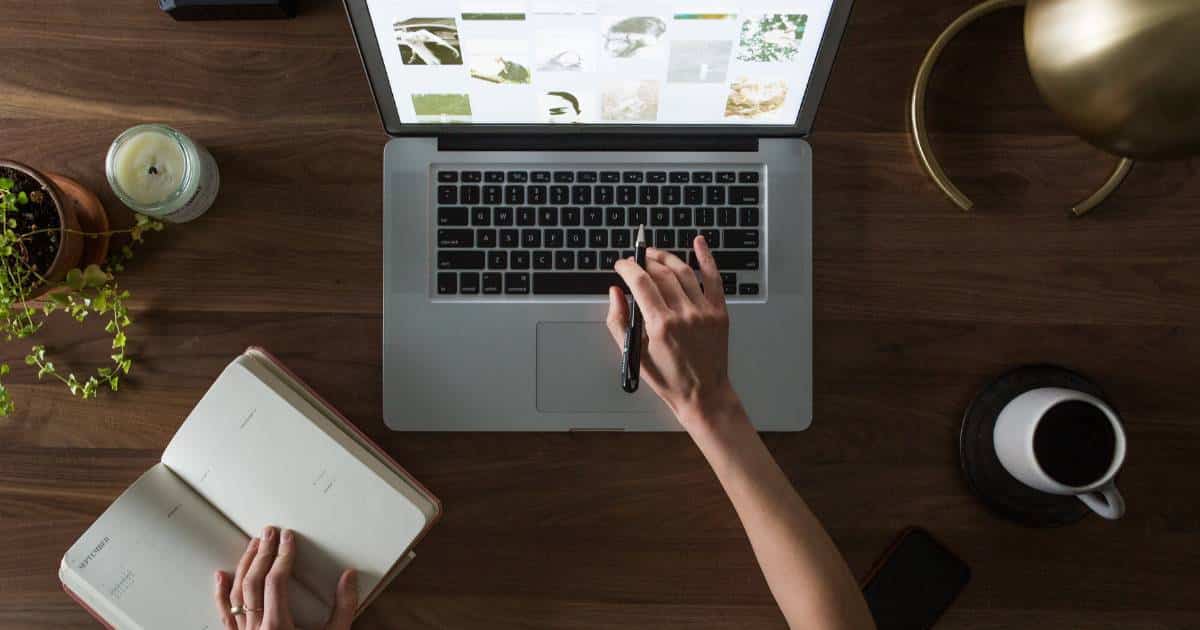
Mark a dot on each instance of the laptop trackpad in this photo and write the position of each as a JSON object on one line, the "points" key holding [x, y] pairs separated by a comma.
{"points": [[578, 370]]}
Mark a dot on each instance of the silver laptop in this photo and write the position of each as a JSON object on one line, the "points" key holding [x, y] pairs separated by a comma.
{"points": [[530, 139]]}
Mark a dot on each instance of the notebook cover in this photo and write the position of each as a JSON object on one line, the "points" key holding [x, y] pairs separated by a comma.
{"points": [[91, 611]]}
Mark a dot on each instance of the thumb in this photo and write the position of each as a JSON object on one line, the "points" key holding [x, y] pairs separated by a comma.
{"points": [[618, 315], [345, 602]]}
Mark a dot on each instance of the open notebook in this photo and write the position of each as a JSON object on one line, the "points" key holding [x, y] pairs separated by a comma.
{"points": [[259, 449]]}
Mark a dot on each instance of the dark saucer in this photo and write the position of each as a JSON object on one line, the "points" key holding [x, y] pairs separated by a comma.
{"points": [[987, 478]]}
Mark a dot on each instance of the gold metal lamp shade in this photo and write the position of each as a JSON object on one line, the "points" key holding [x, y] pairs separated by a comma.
{"points": [[1123, 74]]}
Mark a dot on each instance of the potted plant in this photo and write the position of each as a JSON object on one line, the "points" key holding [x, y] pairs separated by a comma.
{"points": [[54, 257]]}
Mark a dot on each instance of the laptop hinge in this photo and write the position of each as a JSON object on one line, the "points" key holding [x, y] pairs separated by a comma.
{"points": [[596, 142]]}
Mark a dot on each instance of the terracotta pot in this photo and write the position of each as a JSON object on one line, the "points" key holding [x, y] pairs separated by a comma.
{"points": [[70, 203]]}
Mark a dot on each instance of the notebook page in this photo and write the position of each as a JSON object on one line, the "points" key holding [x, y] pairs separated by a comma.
{"points": [[151, 556], [259, 459]]}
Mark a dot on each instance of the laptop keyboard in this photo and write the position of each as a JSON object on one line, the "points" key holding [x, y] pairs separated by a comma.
{"points": [[522, 231]]}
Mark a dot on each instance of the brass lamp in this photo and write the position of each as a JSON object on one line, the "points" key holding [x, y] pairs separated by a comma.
{"points": [[1123, 74]]}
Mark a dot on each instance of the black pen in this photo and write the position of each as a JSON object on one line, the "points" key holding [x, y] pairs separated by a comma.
{"points": [[631, 358]]}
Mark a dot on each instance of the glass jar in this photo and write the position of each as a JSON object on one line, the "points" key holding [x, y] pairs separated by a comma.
{"points": [[160, 172]]}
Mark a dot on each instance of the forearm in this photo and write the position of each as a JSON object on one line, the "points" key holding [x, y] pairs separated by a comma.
{"points": [[803, 568]]}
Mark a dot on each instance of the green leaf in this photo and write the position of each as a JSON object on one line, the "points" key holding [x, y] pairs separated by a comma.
{"points": [[60, 298], [22, 198], [6, 183], [126, 365], [94, 276], [118, 341], [30, 360], [74, 279], [4, 369]]}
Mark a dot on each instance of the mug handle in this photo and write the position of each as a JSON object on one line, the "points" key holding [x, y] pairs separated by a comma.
{"points": [[1105, 501]]}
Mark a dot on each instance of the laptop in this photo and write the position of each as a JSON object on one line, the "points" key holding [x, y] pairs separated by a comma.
{"points": [[530, 139]]}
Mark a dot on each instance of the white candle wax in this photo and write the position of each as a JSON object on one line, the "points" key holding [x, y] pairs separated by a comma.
{"points": [[149, 167]]}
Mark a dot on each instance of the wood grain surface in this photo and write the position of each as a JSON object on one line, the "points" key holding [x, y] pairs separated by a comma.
{"points": [[916, 303]]}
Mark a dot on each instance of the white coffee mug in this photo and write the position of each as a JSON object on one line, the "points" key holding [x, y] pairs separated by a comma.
{"points": [[1014, 439]]}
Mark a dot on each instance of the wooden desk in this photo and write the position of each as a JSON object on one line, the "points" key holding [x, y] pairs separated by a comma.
{"points": [[917, 305]]}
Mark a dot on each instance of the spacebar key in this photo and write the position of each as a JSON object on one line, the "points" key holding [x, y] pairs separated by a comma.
{"points": [[575, 283]]}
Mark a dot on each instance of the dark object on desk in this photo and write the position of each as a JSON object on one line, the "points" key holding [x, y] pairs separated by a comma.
{"points": [[986, 476], [914, 582], [228, 9], [631, 358]]}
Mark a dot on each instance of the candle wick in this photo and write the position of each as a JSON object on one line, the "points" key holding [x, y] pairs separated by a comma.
{"points": [[154, 170]]}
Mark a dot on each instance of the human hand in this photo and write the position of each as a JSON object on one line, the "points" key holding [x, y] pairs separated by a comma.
{"points": [[685, 356], [260, 584]]}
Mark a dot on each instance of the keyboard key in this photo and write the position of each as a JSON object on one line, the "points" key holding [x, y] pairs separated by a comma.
{"points": [[516, 283], [748, 288], [447, 283], [626, 195], [548, 216], [472, 176], [526, 216], [714, 195], [664, 239], [682, 217], [447, 176], [736, 261], [570, 216], [455, 238], [660, 216], [460, 260], [587, 177], [518, 176], [447, 194], [632, 177], [729, 282], [593, 216], [741, 239], [491, 283], [564, 259], [637, 216], [518, 259], [452, 216], [743, 195], [502, 216], [514, 194], [542, 260], [540, 177], [493, 176], [576, 283], [470, 194], [560, 195], [604, 195], [531, 238], [704, 217], [493, 194], [726, 177], [670, 195], [564, 177], [726, 217], [485, 238], [648, 195], [610, 176], [627, 253], [702, 178], [497, 260], [468, 283], [537, 195], [510, 239], [581, 195], [686, 236], [621, 237], [656, 177], [587, 259], [481, 216], [693, 195], [597, 238], [712, 237], [680, 177], [576, 239], [615, 216], [608, 259], [749, 217], [748, 177], [553, 238]]}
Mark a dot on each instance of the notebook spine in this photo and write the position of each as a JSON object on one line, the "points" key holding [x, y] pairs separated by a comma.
{"points": [[91, 611]]}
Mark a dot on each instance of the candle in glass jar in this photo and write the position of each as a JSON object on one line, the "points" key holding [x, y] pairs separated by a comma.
{"points": [[157, 171]]}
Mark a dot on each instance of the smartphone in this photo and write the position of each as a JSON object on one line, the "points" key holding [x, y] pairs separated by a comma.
{"points": [[914, 582]]}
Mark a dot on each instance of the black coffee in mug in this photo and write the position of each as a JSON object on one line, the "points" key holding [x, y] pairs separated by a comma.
{"points": [[1074, 443]]}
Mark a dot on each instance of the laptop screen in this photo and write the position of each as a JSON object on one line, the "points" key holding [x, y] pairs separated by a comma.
{"points": [[597, 62]]}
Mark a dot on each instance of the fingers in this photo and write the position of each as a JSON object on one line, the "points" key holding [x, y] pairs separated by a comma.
{"points": [[618, 315], [256, 576], [224, 584], [668, 285], [643, 287], [345, 602], [239, 574], [683, 273], [276, 610], [714, 290]]}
